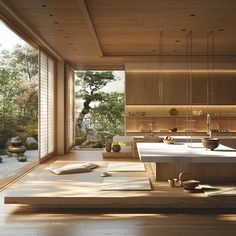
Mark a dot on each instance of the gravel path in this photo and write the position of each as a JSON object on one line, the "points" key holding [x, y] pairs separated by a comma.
{"points": [[11, 164]]}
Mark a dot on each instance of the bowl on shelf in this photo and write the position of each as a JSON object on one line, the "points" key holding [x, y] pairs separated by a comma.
{"points": [[190, 184], [169, 140], [210, 143]]}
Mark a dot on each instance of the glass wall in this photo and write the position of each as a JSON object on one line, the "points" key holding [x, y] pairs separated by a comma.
{"points": [[99, 107]]}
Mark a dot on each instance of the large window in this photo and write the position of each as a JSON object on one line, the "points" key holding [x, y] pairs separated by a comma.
{"points": [[99, 107], [19, 80]]}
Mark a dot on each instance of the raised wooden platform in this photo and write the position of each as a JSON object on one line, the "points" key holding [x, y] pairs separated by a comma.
{"points": [[116, 155], [43, 188]]}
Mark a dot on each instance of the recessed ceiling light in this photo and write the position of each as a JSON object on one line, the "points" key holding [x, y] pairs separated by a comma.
{"points": [[192, 15], [56, 22], [43, 5]]}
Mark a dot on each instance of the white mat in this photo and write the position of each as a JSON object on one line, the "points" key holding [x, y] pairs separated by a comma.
{"points": [[218, 191], [126, 184], [126, 166]]}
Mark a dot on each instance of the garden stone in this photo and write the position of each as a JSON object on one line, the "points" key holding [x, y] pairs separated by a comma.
{"points": [[30, 140]]}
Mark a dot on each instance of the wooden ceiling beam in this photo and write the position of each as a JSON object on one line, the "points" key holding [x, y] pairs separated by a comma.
{"points": [[90, 24]]}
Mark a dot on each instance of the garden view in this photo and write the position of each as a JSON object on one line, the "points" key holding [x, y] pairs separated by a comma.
{"points": [[99, 107], [18, 102]]}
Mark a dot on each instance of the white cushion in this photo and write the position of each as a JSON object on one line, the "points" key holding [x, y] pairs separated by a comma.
{"points": [[73, 168]]}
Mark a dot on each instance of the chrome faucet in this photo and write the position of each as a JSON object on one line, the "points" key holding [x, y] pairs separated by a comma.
{"points": [[209, 131]]}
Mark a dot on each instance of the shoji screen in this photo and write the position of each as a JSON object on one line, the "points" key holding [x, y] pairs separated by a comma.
{"points": [[47, 106], [70, 126]]}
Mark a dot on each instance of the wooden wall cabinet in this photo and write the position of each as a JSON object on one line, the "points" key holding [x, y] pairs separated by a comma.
{"points": [[224, 89], [149, 88], [174, 89], [142, 89]]}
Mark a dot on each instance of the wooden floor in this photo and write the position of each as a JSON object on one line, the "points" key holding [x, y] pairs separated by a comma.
{"points": [[29, 221]]}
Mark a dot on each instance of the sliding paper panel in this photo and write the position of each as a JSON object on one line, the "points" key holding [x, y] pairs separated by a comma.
{"points": [[51, 106], [43, 106], [47, 106]]}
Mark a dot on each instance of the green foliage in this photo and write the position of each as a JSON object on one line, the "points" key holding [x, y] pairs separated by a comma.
{"points": [[32, 146], [79, 140], [94, 144], [18, 92], [108, 116], [91, 83]]}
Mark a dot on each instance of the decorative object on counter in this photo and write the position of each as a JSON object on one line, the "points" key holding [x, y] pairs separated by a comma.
{"points": [[16, 148], [0, 159], [183, 176], [105, 174], [174, 130], [172, 182], [210, 143], [169, 140], [116, 147], [197, 113], [190, 184], [137, 114], [173, 112], [108, 146], [219, 130]]}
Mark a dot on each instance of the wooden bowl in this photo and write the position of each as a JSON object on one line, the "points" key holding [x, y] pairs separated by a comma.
{"points": [[190, 184], [210, 143], [169, 141]]}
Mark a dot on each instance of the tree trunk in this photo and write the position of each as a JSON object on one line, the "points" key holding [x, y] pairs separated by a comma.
{"points": [[82, 114]]}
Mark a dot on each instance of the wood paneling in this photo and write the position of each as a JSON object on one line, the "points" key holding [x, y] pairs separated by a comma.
{"points": [[224, 88], [142, 88], [174, 88]]}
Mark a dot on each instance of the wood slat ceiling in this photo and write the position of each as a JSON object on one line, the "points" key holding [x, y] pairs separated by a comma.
{"points": [[129, 28]]}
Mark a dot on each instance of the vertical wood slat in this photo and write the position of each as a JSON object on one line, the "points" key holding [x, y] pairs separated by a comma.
{"points": [[70, 119], [46, 106]]}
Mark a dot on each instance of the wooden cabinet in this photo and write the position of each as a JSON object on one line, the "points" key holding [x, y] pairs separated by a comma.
{"points": [[142, 88], [174, 89], [148, 88], [224, 89], [199, 87]]}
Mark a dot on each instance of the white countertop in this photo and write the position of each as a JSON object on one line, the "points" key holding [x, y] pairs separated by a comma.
{"points": [[166, 153]]}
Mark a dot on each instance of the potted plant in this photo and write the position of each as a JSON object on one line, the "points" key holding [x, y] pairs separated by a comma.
{"points": [[116, 147]]}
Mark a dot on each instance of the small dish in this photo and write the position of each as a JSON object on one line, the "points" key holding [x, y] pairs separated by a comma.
{"points": [[105, 174], [190, 184]]}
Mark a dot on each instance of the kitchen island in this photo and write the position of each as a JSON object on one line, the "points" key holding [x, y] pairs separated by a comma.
{"points": [[168, 161]]}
